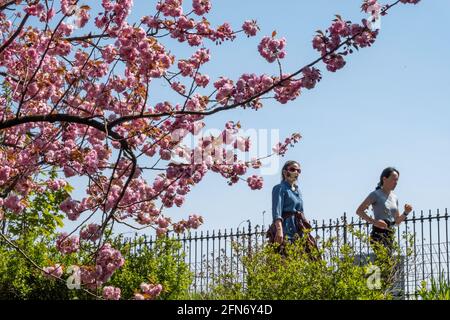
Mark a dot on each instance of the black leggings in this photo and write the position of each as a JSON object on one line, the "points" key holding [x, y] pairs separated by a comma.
{"points": [[384, 237]]}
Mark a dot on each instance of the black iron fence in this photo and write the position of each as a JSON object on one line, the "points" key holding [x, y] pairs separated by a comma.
{"points": [[210, 254]]}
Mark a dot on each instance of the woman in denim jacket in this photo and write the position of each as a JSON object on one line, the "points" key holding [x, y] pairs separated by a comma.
{"points": [[286, 201]]}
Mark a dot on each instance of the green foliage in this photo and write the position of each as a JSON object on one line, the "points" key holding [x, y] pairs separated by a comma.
{"points": [[34, 231], [19, 279], [297, 274], [440, 290], [41, 216], [163, 264]]}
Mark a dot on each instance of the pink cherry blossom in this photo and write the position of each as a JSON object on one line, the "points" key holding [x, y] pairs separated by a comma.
{"points": [[149, 291], [178, 87], [310, 77], [165, 154], [201, 6], [108, 260], [56, 184], [281, 148], [272, 49], [163, 223], [84, 104], [90, 232], [47, 16], [319, 43], [161, 232], [249, 85], [138, 296], [67, 245], [255, 182], [335, 62], [170, 8], [225, 89], [222, 33], [289, 90], [55, 270], [35, 9], [194, 221], [250, 28], [111, 293], [340, 28], [5, 173], [372, 7], [410, 1], [14, 203], [201, 80], [243, 144]]}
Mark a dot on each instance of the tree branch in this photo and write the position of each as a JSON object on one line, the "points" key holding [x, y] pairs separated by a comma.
{"points": [[14, 36], [38, 267], [87, 37], [6, 5], [256, 96]]}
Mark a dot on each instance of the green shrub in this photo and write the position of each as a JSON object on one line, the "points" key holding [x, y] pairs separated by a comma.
{"points": [[20, 279], [34, 232], [299, 275], [440, 290], [163, 264]]}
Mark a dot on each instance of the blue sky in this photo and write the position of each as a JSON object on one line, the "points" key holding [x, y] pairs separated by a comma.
{"points": [[389, 106]]}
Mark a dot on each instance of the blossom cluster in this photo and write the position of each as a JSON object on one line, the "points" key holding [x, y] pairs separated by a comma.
{"points": [[66, 244], [255, 182], [281, 148], [111, 293], [107, 261], [193, 222], [91, 232], [55, 270], [272, 49], [148, 291]]}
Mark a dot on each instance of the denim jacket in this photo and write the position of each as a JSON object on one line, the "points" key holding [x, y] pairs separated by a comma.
{"points": [[284, 199]]}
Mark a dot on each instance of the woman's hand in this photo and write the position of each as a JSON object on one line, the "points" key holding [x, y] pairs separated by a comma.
{"points": [[304, 218], [380, 224], [279, 236], [408, 209]]}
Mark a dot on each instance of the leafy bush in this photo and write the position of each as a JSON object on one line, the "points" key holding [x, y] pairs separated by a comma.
{"points": [[41, 217], [269, 275], [163, 264], [299, 275], [34, 232], [440, 290], [20, 279]]}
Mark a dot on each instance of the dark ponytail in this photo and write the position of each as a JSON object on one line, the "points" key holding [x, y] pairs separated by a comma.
{"points": [[386, 174]]}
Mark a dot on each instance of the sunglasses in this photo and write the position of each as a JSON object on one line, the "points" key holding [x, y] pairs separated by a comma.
{"points": [[294, 170]]}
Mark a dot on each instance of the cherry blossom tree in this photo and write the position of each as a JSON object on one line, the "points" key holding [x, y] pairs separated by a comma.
{"points": [[75, 101]]}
